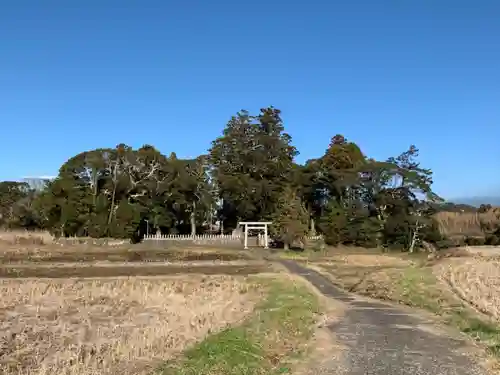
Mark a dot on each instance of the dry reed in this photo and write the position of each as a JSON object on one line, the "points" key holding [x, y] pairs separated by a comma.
{"points": [[25, 237], [467, 223], [119, 326]]}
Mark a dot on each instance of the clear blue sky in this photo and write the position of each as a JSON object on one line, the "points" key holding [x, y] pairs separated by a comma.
{"points": [[76, 75]]}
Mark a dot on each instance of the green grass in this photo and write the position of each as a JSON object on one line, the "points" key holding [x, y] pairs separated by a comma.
{"points": [[417, 287], [268, 343], [296, 255]]}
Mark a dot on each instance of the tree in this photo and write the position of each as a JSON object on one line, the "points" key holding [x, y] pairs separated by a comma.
{"points": [[333, 223], [340, 167], [483, 208], [251, 165], [410, 199], [11, 192], [290, 220], [108, 192], [306, 182]]}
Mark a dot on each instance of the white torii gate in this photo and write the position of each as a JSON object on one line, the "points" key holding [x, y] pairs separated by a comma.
{"points": [[262, 225]]}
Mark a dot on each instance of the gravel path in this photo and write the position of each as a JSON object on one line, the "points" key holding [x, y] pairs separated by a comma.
{"points": [[381, 339]]}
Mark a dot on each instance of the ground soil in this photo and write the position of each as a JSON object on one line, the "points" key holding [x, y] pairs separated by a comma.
{"points": [[110, 255], [145, 269]]}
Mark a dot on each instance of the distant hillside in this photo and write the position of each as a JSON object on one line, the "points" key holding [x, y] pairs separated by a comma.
{"points": [[454, 207], [477, 201]]}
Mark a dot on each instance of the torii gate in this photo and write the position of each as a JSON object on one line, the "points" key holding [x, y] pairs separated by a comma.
{"points": [[262, 225]]}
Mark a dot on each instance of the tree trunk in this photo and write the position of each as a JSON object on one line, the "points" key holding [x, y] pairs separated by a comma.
{"points": [[94, 181], [112, 208], [193, 220], [286, 245], [382, 220], [113, 197], [414, 239]]}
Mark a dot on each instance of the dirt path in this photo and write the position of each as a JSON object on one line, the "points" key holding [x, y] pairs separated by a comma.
{"points": [[381, 339]]}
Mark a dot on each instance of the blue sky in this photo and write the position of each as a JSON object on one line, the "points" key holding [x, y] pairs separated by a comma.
{"points": [[77, 75]]}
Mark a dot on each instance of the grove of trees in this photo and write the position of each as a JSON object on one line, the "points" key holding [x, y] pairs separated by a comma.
{"points": [[248, 174]]}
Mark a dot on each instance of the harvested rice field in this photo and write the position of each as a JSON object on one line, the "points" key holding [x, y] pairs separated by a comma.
{"points": [[113, 326], [476, 281]]}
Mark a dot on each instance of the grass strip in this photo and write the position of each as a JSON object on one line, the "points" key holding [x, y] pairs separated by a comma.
{"points": [[268, 343]]}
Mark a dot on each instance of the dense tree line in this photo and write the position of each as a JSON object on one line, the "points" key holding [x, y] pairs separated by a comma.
{"points": [[248, 174]]}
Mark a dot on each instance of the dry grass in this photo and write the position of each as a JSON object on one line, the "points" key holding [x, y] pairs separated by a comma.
{"points": [[346, 254], [37, 237], [24, 237], [370, 275], [484, 251], [477, 281], [467, 223], [371, 260], [127, 326]]}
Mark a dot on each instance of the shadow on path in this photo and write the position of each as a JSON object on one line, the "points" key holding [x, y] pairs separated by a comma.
{"points": [[382, 339]]}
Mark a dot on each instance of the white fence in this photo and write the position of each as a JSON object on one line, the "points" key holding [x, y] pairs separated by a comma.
{"points": [[198, 237], [224, 238]]}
